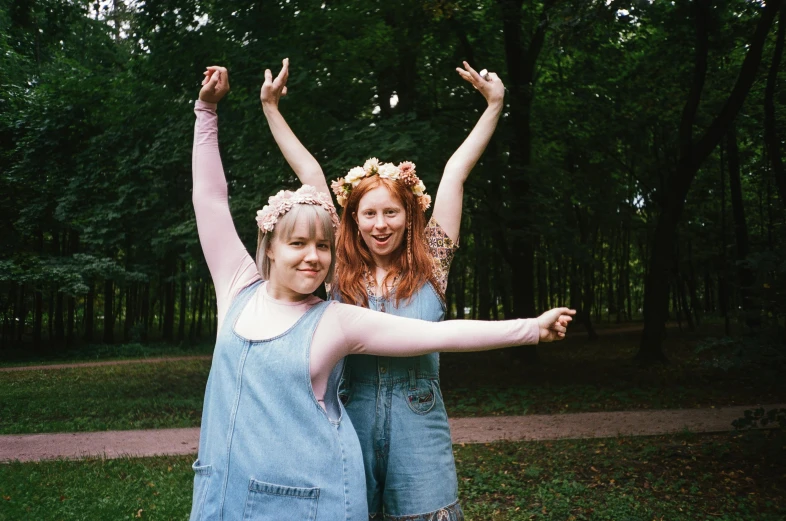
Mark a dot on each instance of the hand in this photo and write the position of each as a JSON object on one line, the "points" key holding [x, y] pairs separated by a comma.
{"points": [[492, 88], [215, 85], [554, 323], [274, 89]]}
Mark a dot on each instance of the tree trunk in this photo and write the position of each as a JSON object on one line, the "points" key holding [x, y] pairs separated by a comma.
{"points": [[744, 274], [169, 299], [38, 317], [109, 317], [70, 310], [202, 298], [771, 139], [145, 312], [521, 66], [89, 313], [181, 326], [692, 155]]}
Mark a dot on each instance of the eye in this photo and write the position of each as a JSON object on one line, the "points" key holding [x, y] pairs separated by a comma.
{"points": [[324, 246], [296, 243], [391, 212]]}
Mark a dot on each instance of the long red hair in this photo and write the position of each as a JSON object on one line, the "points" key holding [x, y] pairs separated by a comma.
{"points": [[413, 264]]}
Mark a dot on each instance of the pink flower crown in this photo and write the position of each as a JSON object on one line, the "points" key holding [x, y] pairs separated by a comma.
{"points": [[404, 172], [283, 202]]}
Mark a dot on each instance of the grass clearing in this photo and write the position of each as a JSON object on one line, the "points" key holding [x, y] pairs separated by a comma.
{"points": [[575, 376], [133, 396], [101, 353], [730, 477]]}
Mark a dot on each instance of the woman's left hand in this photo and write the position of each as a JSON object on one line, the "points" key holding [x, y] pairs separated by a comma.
{"points": [[491, 87], [215, 85]]}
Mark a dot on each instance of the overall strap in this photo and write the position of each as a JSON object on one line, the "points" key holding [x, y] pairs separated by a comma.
{"points": [[239, 302]]}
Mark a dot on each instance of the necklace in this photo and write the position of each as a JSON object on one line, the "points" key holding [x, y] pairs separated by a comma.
{"points": [[371, 288]]}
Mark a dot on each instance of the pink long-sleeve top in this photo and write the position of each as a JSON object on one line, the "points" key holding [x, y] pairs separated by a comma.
{"points": [[344, 329]]}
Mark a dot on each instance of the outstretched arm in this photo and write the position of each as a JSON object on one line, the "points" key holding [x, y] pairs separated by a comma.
{"points": [[346, 329], [450, 194], [231, 267], [306, 167]]}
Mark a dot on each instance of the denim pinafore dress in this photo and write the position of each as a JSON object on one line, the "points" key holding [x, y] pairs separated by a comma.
{"points": [[267, 450], [397, 409]]}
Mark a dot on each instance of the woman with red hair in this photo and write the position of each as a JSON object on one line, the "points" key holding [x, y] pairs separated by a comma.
{"points": [[390, 259]]}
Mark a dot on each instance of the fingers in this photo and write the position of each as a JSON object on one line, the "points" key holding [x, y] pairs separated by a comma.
{"points": [[558, 328], [472, 72], [268, 76], [284, 74], [214, 79], [284, 91]]}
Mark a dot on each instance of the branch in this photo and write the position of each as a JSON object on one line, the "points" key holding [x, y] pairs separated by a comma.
{"points": [[740, 91]]}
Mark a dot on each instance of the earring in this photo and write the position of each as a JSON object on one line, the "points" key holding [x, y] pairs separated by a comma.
{"points": [[409, 242]]}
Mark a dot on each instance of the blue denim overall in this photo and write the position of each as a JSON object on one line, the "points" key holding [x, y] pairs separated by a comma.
{"points": [[396, 407], [267, 450]]}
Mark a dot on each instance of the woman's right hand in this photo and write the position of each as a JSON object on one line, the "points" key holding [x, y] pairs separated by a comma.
{"points": [[215, 85], [274, 89]]}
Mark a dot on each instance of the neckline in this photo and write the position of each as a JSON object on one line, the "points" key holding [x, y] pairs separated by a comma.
{"points": [[242, 305], [266, 296]]}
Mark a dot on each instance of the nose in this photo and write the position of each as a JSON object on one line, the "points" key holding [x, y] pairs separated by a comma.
{"points": [[311, 254], [380, 222]]}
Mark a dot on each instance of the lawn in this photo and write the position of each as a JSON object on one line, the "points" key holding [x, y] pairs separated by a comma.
{"points": [[101, 352], [574, 376], [730, 477]]}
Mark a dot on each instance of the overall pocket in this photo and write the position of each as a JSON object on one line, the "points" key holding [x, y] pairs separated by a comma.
{"points": [[269, 502], [421, 399], [201, 485]]}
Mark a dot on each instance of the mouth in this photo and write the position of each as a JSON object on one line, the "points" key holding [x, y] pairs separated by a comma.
{"points": [[310, 272], [382, 240]]}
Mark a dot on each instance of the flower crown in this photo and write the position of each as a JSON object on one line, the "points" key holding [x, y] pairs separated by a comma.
{"points": [[404, 172], [283, 202]]}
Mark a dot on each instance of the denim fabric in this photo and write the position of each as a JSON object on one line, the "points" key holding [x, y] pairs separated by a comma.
{"points": [[397, 409], [267, 450]]}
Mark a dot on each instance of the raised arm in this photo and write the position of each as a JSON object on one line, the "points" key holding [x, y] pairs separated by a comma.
{"points": [[231, 267], [450, 194], [306, 167]]}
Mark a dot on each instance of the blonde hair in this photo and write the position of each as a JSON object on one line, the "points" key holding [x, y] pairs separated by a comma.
{"points": [[317, 219]]}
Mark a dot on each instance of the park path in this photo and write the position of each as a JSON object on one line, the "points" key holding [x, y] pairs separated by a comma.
{"points": [[142, 443]]}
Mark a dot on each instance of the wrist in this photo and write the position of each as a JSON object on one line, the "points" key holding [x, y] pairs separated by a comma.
{"points": [[269, 108], [496, 105]]}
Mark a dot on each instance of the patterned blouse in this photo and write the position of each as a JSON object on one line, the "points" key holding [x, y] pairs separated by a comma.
{"points": [[442, 249]]}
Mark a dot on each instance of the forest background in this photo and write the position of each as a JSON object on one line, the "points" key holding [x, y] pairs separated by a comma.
{"points": [[636, 173]]}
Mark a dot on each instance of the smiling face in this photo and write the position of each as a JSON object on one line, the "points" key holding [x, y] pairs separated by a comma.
{"points": [[299, 256], [382, 221]]}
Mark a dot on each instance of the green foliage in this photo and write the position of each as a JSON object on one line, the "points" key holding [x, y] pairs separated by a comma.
{"points": [[761, 418], [95, 136]]}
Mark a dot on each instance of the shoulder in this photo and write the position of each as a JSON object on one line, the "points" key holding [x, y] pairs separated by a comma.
{"points": [[437, 238]]}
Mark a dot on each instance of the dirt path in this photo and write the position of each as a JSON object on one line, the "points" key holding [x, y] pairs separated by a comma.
{"points": [[141, 443]]}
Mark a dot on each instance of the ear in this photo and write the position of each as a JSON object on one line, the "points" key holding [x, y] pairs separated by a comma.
{"points": [[269, 251], [355, 217]]}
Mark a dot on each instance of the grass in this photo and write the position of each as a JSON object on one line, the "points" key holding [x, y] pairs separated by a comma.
{"points": [[729, 477], [580, 376], [101, 352], [133, 396], [575, 376]]}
